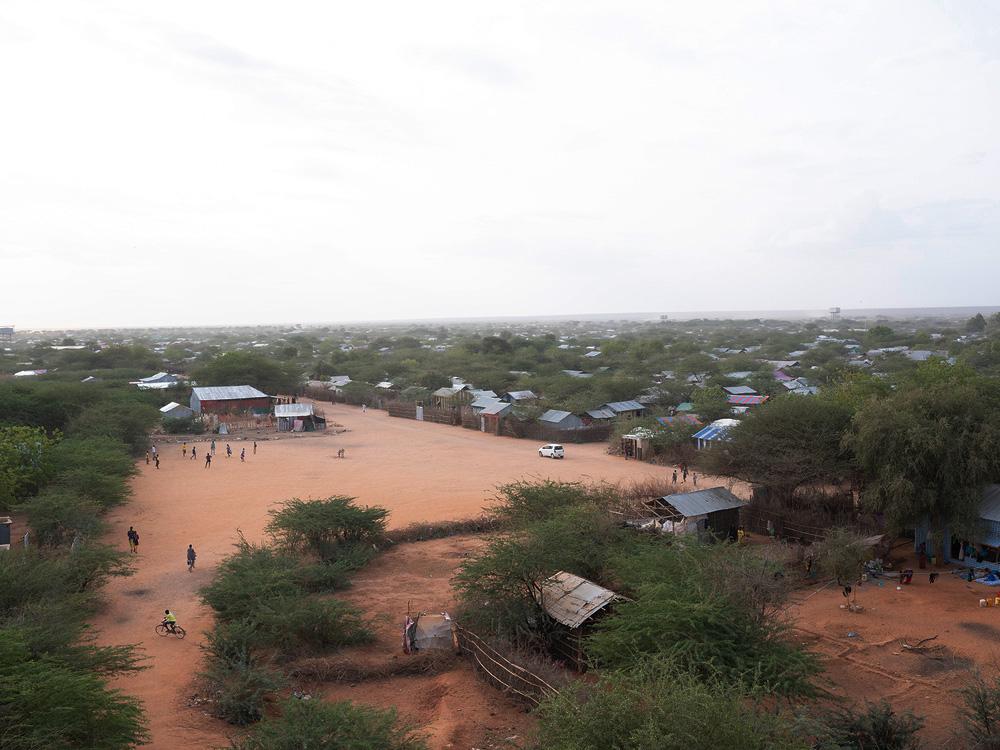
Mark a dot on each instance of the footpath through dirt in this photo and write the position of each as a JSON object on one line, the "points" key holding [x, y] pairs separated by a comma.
{"points": [[419, 471]]}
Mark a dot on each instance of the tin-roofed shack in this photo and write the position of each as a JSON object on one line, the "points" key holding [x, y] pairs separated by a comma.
{"points": [[573, 602], [715, 510], [299, 418]]}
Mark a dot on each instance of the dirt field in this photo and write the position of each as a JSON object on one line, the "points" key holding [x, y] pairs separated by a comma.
{"points": [[419, 471], [872, 664]]}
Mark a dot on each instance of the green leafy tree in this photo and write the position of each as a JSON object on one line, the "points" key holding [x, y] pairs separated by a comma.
{"points": [[25, 462], [326, 526], [927, 452], [248, 368], [976, 324], [710, 403], [787, 443]]}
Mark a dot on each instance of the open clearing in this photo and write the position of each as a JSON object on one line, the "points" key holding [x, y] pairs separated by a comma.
{"points": [[419, 471], [428, 472]]}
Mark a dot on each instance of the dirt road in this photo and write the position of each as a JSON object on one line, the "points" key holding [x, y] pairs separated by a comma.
{"points": [[419, 471]]}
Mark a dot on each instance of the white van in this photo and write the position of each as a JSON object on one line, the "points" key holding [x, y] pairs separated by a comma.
{"points": [[552, 451]]}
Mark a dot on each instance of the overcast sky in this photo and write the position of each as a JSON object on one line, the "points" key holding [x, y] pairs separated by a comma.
{"points": [[242, 162]]}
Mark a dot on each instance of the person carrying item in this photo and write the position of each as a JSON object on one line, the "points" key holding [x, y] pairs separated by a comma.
{"points": [[191, 556]]}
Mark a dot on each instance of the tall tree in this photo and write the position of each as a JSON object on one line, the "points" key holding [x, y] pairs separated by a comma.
{"points": [[928, 450]]}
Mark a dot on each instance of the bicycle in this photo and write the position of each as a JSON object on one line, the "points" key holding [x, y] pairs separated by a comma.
{"points": [[163, 630]]}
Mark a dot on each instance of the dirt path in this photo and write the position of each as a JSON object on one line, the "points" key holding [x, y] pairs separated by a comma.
{"points": [[419, 471]]}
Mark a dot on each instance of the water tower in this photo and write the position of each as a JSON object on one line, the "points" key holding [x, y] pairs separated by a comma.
{"points": [[835, 313]]}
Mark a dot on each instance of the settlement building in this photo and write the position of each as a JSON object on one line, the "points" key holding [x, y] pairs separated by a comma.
{"points": [[173, 410], [298, 418], [229, 399], [715, 509], [561, 420]]}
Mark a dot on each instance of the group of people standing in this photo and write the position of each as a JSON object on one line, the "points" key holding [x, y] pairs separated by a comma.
{"points": [[684, 475], [133, 546], [210, 453]]}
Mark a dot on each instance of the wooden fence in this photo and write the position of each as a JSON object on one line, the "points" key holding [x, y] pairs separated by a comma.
{"points": [[501, 672]]}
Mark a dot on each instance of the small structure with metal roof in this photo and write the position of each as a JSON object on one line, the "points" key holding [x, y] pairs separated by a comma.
{"points": [[714, 509], [716, 431], [739, 390], [298, 417], [519, 397], [625, 409], [229, 399], [173, 410], [571, 600], [561, 420]]}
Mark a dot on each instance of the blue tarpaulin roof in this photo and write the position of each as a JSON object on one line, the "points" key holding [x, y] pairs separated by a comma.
{"points": [[716, 431]]}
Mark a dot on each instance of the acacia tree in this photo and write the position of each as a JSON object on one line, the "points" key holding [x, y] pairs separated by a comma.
{"points": [[928, 450], [788, 443]]}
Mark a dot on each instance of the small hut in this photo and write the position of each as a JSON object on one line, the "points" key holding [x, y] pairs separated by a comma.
{"points": [[572, 602], [637, 444], [298, 418], [715, 510], [426, 632]]}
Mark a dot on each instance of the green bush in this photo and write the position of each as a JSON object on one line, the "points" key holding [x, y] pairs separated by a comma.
{"points": [[186, 426], [323, 527], [876, 726], [520, 504], [330, 726], [980, 711], [47, 701], [124, 421], [241, 689], [685, 608], [58, 514], [97, 468], [252, 576], [659, 707]]}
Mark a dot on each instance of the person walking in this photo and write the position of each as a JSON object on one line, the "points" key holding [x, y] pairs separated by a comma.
{"points": [[684, 475], [364, 408], [194, 452], [212, 448], [147, 458], [229, 451], [154, 451], [133, 540], [156, 460], [191, 556], [255, 447], [208, 460], [243, 455], [184, 449], [673, 479], [694, 478]]}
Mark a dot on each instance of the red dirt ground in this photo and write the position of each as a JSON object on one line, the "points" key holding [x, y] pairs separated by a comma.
{"points": [[420, 471], [872, 664]]}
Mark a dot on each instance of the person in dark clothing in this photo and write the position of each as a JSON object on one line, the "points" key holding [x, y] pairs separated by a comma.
{"points": [[194, 452], [243, 455], [673, 479], [191, 556], [208, 460], [229, 451], [255, 447], [156, 460], [133, 540]]}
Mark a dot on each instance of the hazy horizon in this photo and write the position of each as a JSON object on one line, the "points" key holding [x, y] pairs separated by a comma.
{"points": [[188, 164]]}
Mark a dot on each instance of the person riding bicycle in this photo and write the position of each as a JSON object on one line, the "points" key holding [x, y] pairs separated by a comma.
{"points": [[169, 621]]}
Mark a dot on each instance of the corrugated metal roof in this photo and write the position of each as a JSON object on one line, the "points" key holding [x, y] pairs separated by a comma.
{"points": [[739, 390], [444, 392], [227, 393], [293, 410], [619, 406], [990, 507], [171, 405], [571, 600], [521, 395], [554, 415], [498, 407], [600, 414], [713, 499], [746, 400]]}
